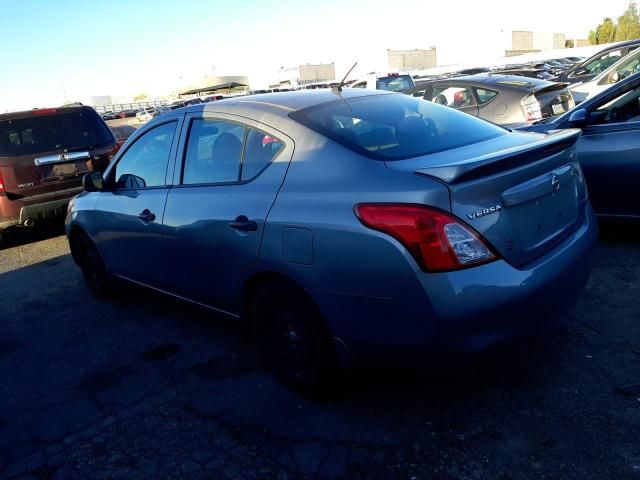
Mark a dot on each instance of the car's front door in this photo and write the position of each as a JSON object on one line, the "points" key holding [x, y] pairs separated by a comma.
{"points": [[129, 211], [215, 215], [609, 151]]}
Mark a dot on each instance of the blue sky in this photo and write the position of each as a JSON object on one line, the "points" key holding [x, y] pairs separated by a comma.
{"points": [[123, 47]]}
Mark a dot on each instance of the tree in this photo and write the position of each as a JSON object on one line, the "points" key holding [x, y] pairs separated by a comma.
{"points": [[140, 97], [628, 27], [604, 33]]}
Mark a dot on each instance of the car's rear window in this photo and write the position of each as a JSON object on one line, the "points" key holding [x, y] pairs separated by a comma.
{"points": [[394, 83], [395, 126], [50, 132]]}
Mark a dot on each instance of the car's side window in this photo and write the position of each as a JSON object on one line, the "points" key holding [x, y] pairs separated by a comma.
{"points": [[456, 97], [214, 152], [260, 149], [623, 108], [144, 164], [603, 62], [484, 95]]}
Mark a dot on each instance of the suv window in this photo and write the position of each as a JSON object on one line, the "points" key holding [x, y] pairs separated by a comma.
{"points": [[394, 127], [394, 83], [54, 130], [214, 151], [485, 95], [144, 164], [603, 62], [260, 149]]}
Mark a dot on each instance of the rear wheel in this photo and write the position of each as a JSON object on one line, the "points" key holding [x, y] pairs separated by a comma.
{"points": [[294, 339], [92, 266]]}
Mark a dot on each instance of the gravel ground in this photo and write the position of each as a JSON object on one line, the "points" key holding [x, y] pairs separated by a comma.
{"points": [[143, 387]]}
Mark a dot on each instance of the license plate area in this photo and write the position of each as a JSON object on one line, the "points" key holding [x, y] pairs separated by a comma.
{"points": [[540, 220], [57, 170]]}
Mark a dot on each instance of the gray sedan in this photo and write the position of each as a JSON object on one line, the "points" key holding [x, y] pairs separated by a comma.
{"points": [[344, 226]]}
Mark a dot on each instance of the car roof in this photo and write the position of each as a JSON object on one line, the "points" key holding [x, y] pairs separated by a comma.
{"points": [[285, 102], [42, 111], [498, 80]]}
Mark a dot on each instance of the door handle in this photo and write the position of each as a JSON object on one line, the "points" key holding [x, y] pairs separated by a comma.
{"points": [[146, 216], [243, 224]]}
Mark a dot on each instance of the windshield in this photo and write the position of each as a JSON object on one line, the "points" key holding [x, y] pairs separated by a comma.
{"points": [[394, 83], [395, 127], [37, 134]]}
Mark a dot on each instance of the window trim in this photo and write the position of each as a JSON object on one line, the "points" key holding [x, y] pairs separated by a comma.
{"points": [[475, 93], [110, 181], [239, 180]]}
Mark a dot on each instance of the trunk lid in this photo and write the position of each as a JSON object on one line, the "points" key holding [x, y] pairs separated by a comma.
{"points": [[554, 99], [524, 193]]}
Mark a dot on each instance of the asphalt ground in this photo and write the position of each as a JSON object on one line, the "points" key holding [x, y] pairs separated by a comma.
{"points": [[144, 387]]}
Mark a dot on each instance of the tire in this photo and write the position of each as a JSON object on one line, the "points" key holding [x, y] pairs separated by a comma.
{"points": [[295, 342], [93, 269]]}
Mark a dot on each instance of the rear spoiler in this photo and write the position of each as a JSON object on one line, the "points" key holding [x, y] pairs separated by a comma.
{"points": [[495, 162], [551, 87]]}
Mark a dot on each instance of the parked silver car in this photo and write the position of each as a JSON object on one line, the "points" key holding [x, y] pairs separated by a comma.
{"points": [[499, 98]]}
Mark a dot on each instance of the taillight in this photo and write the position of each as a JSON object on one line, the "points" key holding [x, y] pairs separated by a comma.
{"points": [[2, 187], [438, 241], [531, 108], [115, 150]]}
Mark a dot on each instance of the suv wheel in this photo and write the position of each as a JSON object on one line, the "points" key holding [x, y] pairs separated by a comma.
{"points": [[295, 342], [93, 269]]}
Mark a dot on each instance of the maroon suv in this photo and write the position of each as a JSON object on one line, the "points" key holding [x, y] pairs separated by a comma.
{"points": [[43, 155]]}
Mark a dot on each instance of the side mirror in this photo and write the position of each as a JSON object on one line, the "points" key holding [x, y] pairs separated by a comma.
{"points": [[578, 119], [614, 77], [92, 182]]}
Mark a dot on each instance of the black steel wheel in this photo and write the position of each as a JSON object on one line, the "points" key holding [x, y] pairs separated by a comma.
{"points": [[295, 342]]}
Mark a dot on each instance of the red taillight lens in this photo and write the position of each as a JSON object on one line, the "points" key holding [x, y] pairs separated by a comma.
{"points": [[115, 150], [438, 241], [45, 111], [2, 187]]}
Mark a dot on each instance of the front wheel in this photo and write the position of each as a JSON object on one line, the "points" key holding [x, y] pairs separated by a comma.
{"points": [[294, 339], [93, 269]]}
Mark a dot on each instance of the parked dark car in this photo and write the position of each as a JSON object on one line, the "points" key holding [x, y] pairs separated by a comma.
{"points": [[592, 66], [609, 148], [396, 230], [502, 99], [522, 71], [43, 155], [108, 115], [122, 133]]}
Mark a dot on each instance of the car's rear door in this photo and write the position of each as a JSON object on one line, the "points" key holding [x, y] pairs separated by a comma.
{"points": [[609, 152], [454, 95], [129, 212], [215, 215]]}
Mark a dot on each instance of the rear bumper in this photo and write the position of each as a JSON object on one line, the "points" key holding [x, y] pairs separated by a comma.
{"points": [[450, 315], [36, 208]]}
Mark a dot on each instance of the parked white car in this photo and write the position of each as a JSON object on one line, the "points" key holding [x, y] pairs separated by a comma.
{"points": [[394, 82], [146, 114], [623, 68]]}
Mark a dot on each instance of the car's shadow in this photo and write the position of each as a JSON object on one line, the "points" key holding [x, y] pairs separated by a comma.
{"points": [[16, 237], [619, 230]]}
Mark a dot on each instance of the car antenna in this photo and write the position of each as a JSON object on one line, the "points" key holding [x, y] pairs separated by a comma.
{"points": [[338, 87]]}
